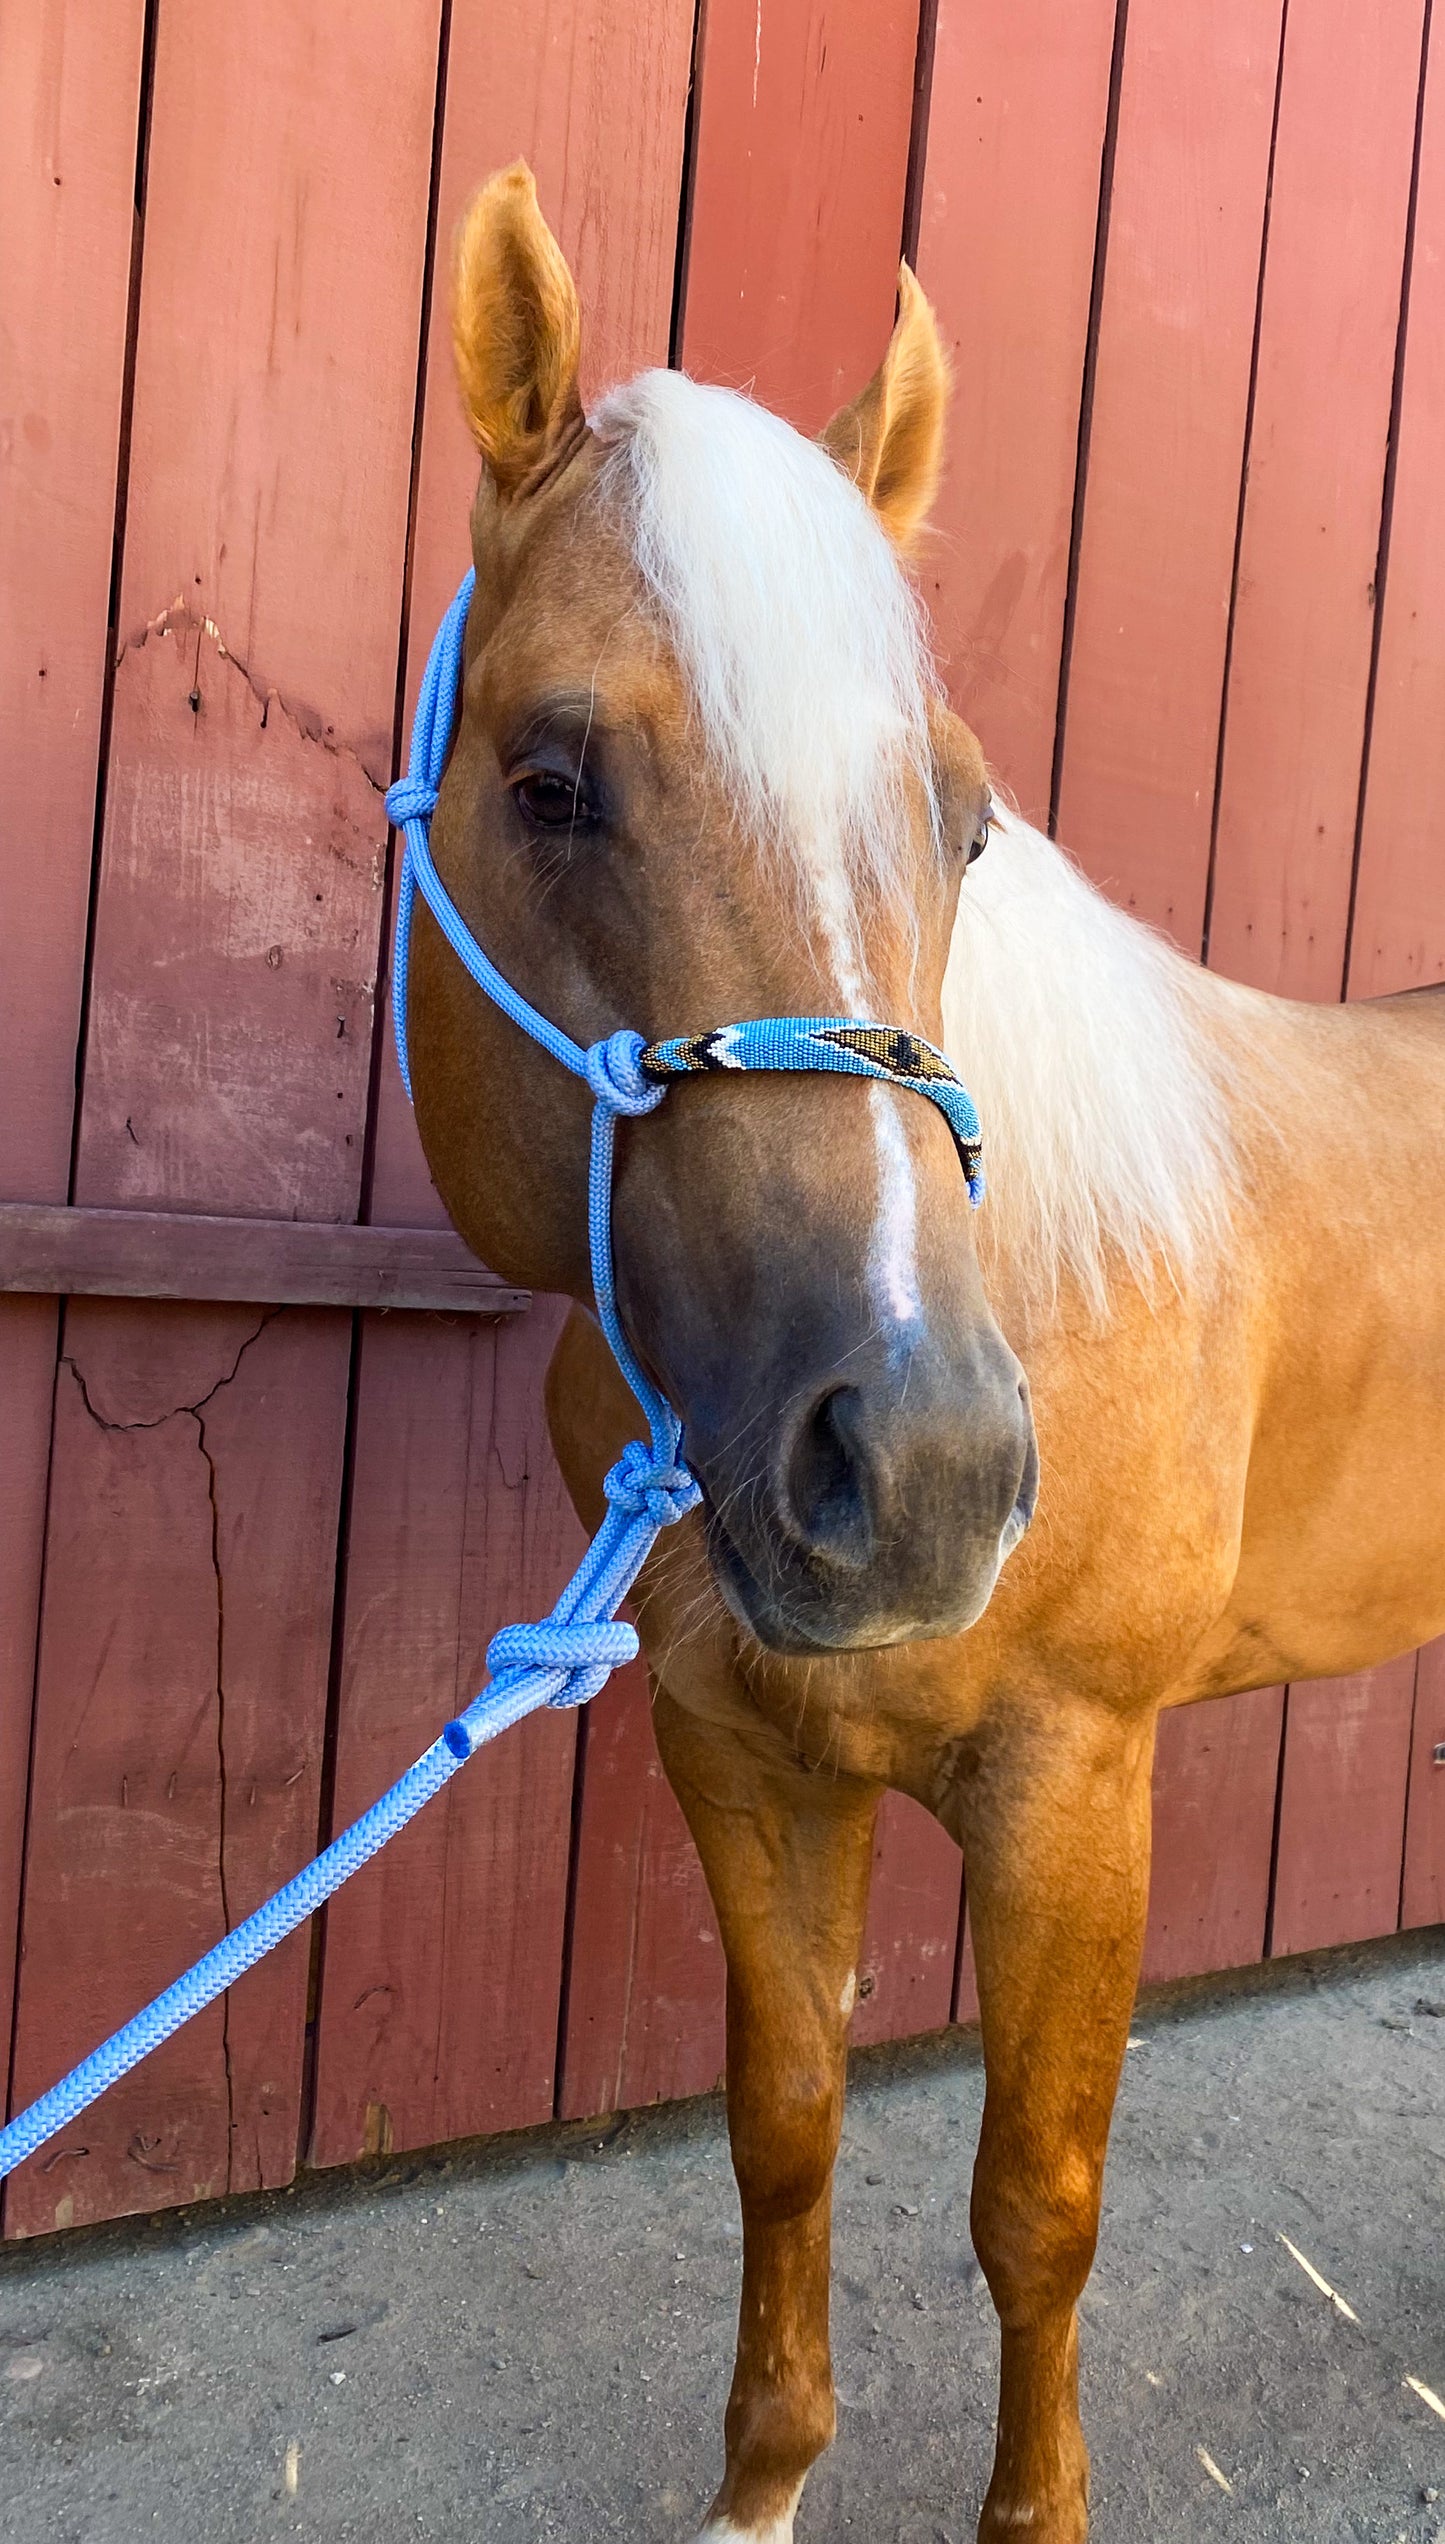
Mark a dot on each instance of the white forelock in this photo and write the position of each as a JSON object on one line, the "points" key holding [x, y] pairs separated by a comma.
{"points": [[1091, 1049], [801, 639], [1090, 1046]]}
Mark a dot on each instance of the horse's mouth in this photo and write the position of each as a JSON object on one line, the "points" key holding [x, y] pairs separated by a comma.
{"points": [[801, 1621]]}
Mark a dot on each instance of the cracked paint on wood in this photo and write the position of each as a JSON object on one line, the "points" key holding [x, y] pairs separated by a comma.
{"points": [[236, 945], [184, 1652]]}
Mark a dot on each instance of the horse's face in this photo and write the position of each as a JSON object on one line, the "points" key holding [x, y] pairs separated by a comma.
{"points": [[794, 1255]]}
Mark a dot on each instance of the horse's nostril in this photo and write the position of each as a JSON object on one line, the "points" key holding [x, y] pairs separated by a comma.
{"points": [[825, 1478]]}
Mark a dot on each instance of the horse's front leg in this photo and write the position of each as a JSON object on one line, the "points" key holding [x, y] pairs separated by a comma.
{"points": [[787, 1856], [1053, 1811]]}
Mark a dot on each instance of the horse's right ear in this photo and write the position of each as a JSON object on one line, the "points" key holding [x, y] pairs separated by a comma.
{"points": [[515, 329], [890, 440]]}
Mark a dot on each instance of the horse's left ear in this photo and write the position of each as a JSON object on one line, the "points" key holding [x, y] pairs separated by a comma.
{"points": [[890, 440], [516, 330]]}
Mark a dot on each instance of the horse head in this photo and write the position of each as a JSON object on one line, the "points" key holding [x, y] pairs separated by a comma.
{"points": [[702, 772]]}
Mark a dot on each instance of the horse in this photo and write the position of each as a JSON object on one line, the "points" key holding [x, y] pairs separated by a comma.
{"points": [[980, 1495]]}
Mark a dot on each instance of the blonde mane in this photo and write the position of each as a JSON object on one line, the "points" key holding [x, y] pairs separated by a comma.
{"points": [[1084, 1040], [1082, 1036]]}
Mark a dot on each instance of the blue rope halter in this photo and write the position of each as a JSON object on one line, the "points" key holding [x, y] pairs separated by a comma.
{"points": [[565, 1659]]}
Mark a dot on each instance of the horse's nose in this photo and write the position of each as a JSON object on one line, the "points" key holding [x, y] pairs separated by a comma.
{"points": [[828, 1483], [896, 1490]]}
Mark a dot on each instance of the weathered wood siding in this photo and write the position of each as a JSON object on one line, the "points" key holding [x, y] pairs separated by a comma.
{"points": [[1189, 582]]}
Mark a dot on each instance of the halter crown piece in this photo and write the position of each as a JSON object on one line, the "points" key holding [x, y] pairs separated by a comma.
{"points": [[568, 1657]]}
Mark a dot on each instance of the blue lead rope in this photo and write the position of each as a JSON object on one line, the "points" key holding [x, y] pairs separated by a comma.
{"points": [[568, 1657]]}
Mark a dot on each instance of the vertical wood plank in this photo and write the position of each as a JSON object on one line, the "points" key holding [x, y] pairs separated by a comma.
{"points": [[910, 1941], [441, 1972], [1304, 613], [446, 2043], [1156, 554], [236, 946], [1010, 208], [240, 897], [1423, 1891], [1216, 1767], [69, 97], [1342, 1808], [28, 1330], [184, 1658], [1398, 938], [965, 1989], [800, 165], [646, 1982]]}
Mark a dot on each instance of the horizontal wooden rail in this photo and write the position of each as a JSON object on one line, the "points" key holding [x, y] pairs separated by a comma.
{"points": [[161, 1254]]}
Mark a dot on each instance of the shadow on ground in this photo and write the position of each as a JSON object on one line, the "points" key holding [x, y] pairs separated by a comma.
{"points": [[530, 2339]]}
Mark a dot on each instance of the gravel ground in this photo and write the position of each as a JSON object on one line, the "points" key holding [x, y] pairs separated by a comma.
{"points": [[531, 2338]]}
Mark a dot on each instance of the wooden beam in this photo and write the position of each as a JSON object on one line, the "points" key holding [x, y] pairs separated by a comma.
{"points": [[164, 1254]]}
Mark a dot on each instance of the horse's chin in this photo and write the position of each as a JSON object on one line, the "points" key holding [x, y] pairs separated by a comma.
{"points": [[799, 1624]]}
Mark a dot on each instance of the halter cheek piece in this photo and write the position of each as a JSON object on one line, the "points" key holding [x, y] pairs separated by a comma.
{"points": [[565, 1660]]}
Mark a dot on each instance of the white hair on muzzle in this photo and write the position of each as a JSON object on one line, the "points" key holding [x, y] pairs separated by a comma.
{"points": [[799, 635]]}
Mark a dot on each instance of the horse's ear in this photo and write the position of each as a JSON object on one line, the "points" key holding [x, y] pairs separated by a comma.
{"points": [[890, 440], [515, 329]]}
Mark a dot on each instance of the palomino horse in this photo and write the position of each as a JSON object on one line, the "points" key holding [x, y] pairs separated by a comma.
{"points": [[702, 772]]}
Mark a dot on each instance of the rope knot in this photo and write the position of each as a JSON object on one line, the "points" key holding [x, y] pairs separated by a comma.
{"points": [[588, 1654], [410, 799], [638, 1488], [616, 1080]]}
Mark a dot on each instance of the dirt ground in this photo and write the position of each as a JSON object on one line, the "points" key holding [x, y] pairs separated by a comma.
{"points": [[531, 2339]]}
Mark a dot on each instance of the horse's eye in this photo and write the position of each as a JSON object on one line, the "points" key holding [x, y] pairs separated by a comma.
{"points": [[979, 841], [550, 802]]}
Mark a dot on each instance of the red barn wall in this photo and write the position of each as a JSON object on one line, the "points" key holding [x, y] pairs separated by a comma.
{"points": [[1189, 583]]}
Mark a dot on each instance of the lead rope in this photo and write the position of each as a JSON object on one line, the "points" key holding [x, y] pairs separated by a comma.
{"points": [[567, 1657]]}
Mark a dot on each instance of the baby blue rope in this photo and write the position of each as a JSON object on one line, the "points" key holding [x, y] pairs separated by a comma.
{"points": [[567, 1657]]}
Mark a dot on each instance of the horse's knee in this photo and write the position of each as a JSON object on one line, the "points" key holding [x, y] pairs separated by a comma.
{"points": [[1035, 2228]]}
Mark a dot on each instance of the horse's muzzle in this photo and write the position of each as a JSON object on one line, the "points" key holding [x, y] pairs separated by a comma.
{"points": [[894, 1489]]}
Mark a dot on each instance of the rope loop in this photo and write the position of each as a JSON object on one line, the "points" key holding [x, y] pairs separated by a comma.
{"points": [[637, 1487], [588, 1653], [410, 799], [616, 1079]]}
